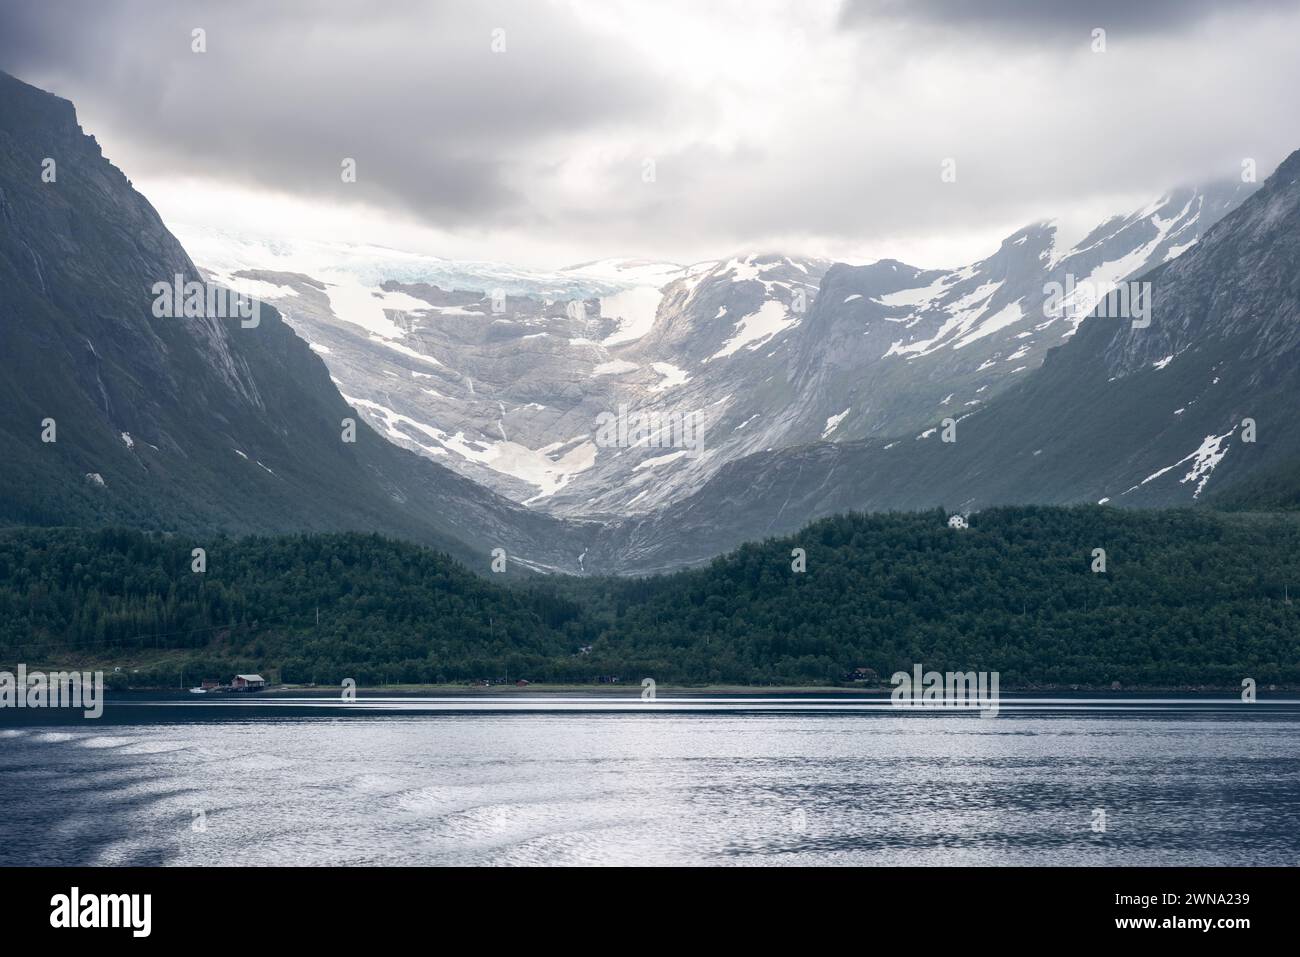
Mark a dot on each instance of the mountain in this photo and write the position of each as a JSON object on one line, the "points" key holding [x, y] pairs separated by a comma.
{"points": [[186, 424], [509, 388], [1120, 413], [890, 347], [505, 375], [802, 379]]}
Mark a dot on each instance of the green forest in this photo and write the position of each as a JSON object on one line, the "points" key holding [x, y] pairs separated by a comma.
{"points": [[1187, 598]]}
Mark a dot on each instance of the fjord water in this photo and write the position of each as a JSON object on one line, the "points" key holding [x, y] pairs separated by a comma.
{"points": [[1200, 787]]}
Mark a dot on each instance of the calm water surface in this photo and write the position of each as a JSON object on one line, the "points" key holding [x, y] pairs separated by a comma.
{"points": [[756, 789]]}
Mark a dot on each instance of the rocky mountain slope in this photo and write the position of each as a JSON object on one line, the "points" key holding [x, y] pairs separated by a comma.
{"points": [[1172, 413], [110, 413], [505, 376], [509, 387], [890, 347]]}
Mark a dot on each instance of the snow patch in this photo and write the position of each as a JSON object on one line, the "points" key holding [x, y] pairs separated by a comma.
{"points": [[1008, 315], [833, 422], [635, 309], [920, 294], [1204, 460], [509, 458], [672, 376], [364, 306], [661, 460], [405, 350], [756, 328], [962, 315]]}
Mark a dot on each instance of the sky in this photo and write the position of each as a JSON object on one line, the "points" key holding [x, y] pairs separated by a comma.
{"points": [[552, 132]]}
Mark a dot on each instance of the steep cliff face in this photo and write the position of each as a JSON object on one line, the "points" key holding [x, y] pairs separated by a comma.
{"points": [[188, 423]]}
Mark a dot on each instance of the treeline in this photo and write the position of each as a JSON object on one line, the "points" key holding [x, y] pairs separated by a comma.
{"points": [[1187, 598], [311, 607], [1275, 489]]}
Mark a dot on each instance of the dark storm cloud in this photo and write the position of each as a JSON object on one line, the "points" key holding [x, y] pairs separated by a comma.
{"points": [[1045, 19], [437, 123], [799, 123]]}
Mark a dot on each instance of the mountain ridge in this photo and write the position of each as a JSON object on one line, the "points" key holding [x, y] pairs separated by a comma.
{"points": [[184, 424], [1102, 420], [206, 425], [765, 350]]}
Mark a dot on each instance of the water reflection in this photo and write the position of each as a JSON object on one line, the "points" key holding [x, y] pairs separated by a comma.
{"points": [[772, 789]]}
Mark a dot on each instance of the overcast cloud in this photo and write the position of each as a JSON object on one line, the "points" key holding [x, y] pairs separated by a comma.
{"points": [[1036, 20], [809, 126]]}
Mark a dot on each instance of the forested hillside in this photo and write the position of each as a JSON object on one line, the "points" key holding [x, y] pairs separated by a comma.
{"points": [[1187, 598], [387, 609]]}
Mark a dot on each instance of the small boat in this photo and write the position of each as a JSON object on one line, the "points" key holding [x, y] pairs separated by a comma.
{"points": [[198, 691]]}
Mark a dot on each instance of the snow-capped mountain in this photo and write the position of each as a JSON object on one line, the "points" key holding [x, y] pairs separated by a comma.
{"points": [[891, 348], [1193, 407], [505, 374], [204, 425], [509, 388]]}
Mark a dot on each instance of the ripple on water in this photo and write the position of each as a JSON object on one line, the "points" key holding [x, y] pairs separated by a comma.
{"points": [[154, 747], [432, 800], [377, 784], [103, 741], [684, 790]]}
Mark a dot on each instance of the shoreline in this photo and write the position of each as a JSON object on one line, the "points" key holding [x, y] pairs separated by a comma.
{"points": [[631, 690]]}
